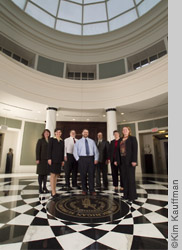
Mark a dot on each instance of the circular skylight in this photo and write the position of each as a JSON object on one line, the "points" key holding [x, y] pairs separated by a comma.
{"points": [[86, 17]]}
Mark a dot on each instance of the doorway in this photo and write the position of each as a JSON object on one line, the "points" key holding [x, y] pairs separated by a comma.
{"points": [[1, 146], [93, 127], [8, 139], [154, 152]]}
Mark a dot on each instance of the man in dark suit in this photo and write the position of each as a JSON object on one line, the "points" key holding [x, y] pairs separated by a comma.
{"points": [[101, 167]]}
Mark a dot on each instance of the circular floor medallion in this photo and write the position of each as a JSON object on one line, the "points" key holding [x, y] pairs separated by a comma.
{"points": [[89, 209]]}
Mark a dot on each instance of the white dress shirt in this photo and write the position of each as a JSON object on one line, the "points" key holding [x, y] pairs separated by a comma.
{"points": [[69, 145]]}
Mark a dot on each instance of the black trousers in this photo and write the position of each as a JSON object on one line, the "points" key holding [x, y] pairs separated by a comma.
{"points": [[86, 166], [101, 168], [128, 173], [71, 166], [115, 170]]}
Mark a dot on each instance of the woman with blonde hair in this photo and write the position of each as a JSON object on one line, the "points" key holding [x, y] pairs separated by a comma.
{"points": [[127, 156]]}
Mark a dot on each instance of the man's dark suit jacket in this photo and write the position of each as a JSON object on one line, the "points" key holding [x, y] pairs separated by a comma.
{"points": [[103, 149]]}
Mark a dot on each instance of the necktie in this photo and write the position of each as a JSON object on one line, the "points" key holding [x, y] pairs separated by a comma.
{"points": [[87, 147], [74, 140]]}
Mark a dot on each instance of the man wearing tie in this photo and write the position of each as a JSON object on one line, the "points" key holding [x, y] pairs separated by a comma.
{"points": [[86, 153], [71, 165]]}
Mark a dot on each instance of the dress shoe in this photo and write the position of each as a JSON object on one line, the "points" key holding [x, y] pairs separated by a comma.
{"points": [[84, 193], [55, 195], [93, 193], [41, 191], [45, 190], [116, 190]]}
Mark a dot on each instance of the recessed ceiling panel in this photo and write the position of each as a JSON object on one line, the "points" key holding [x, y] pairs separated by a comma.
{"points": [[40, 15], [93, 29], [123, 20], [95, 13], [47, 5], [116, 7], [70, 11]]}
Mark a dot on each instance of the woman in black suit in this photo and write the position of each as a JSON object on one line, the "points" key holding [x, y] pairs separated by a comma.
{"points": [[55, 159], [115, 163], [41, 160], [127, 156]]}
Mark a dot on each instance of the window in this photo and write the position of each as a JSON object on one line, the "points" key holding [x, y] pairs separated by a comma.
{"points": [[80, 75]]}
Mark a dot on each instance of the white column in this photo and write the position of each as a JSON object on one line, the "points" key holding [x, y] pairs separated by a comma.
{"points": [[111, 123], [64, 70], [36, 61], [166, 43], [97, 71], [126, 65], [51, 119], [111, 126]]}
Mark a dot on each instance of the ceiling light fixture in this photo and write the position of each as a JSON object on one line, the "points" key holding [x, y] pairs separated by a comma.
{"points": [[122, 113]]}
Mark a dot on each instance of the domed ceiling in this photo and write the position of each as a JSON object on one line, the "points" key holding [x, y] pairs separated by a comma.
{"points": [[86, 17]]}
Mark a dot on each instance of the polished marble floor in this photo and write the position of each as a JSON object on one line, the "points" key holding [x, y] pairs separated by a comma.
{"points": [[27, 222]]}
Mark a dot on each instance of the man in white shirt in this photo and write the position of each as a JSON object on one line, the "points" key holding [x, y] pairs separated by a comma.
{"points": [[71, 165]]}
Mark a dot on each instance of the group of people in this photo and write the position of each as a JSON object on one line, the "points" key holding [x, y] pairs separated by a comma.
{"points": [[89, 158]]}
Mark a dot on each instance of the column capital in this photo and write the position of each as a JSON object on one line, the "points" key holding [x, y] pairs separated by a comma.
{"points": [[111, 109], [52, 108]]}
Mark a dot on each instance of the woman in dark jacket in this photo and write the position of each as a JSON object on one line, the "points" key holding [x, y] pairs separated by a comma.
{"points": [[115, 163], [41, 160], [127, 156], [55, 159]]}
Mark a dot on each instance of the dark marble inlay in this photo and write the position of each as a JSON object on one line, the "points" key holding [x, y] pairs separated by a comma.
{"points": [[8, 215], [125, 229], [157, 202], [163, 228], [12, 234], [62, 230], [94, 234], [141, 243], [98, 246], [48, 244]]}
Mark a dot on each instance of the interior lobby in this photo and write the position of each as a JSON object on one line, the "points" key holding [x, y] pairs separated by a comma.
{"points": [[99, 65]]}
